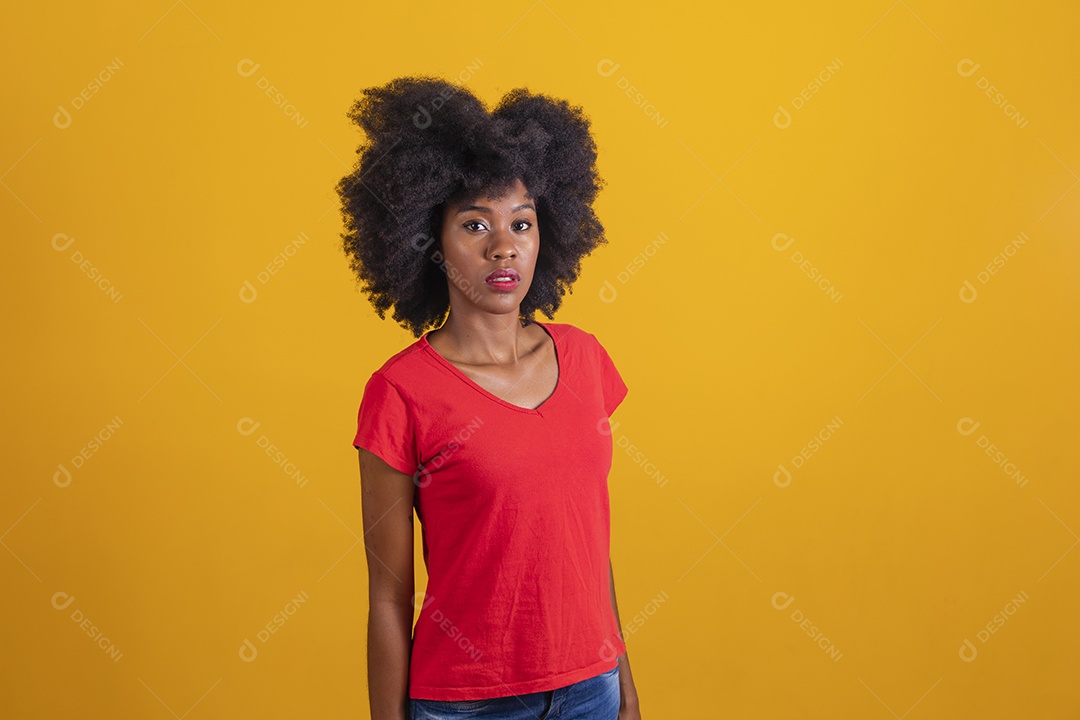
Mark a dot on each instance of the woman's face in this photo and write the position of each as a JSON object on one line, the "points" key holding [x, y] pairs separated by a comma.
{"points": [[484, 238]]}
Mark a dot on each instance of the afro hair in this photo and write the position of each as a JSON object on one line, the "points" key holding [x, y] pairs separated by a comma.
{"points": [[431, 143]]}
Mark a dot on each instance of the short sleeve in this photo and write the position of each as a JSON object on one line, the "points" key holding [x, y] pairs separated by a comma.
{"points": [[384, 425], [611, 381]]}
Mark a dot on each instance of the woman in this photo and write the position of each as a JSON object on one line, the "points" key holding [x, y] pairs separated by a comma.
{"points": [[493, 426]]}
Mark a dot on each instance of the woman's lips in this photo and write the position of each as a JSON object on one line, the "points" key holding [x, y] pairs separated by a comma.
{"points": [[504, 279], [503, 284]]}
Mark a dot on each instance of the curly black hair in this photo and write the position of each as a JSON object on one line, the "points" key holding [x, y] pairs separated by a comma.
{"points": [[431, 143]]}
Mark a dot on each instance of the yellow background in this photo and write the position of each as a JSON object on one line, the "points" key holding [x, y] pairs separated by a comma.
{"points": [[898, 179]]}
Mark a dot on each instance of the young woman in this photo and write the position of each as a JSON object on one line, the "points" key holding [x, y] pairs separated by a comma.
{"points": [[493, 426]]}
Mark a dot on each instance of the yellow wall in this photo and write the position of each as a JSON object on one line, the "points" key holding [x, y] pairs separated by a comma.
{"points": [[827, 242]]}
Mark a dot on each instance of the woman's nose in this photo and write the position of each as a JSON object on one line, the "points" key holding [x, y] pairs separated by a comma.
{"points": [[502, 244]]}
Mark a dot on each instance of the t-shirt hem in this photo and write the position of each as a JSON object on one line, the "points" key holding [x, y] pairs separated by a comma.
{"points": [[402, 466], [424, 692], [617, 401]]}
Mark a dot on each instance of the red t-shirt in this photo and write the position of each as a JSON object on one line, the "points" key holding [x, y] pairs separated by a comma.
{"points": [[513, 506]]}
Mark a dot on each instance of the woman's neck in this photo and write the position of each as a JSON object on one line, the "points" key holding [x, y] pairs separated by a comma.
{"points": [[484, 339]]}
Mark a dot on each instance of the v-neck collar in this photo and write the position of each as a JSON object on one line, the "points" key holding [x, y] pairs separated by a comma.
{"points": [[484, 391]]}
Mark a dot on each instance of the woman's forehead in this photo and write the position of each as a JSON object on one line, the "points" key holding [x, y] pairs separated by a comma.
{"points": [[514, 191]]}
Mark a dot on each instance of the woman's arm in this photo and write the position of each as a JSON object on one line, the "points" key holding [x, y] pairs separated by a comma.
{"points": [[627, 691], [387, 500]]}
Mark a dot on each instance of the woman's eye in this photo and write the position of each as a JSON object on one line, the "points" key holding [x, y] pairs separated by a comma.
{"points": [[526, 224], [469, 225]]}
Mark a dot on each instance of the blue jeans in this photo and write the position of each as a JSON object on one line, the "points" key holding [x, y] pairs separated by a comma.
{"points": [[595, 698]]}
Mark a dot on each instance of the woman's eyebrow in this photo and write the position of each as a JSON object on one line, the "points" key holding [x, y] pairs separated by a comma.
{"points": [[481, 208]]}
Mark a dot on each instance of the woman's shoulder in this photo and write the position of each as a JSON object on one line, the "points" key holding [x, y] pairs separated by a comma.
{"points": [[404, 363], [573, 334], [567, 330], [577, 342]]}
